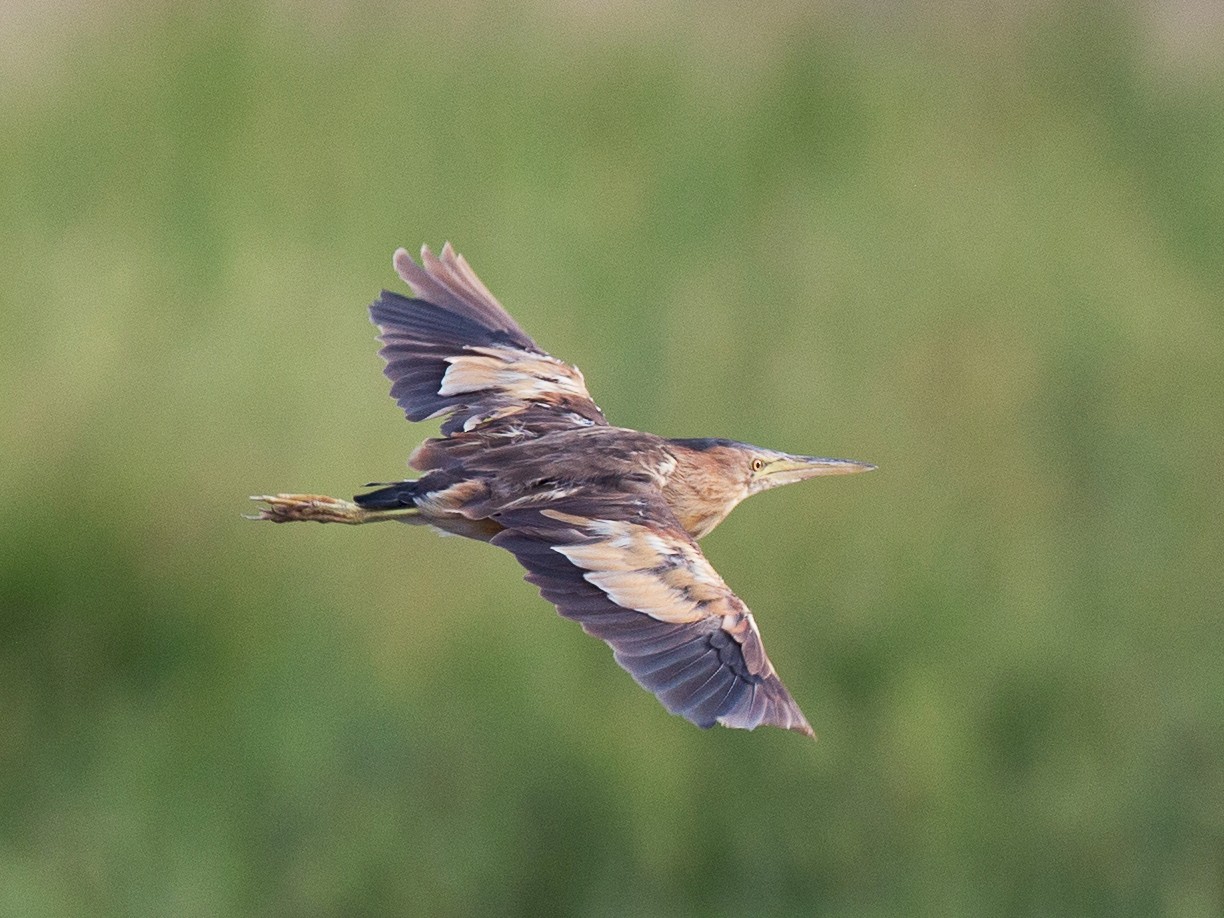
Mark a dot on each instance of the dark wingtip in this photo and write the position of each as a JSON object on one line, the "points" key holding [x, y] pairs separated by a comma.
{"points": [[377, 304]]}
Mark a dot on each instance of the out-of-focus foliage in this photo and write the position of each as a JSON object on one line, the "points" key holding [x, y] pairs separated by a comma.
{"points": [[984, 254]]}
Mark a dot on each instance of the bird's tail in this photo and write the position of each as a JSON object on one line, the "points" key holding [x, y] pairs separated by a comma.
{"points": [[433, 500], [389, 496]]}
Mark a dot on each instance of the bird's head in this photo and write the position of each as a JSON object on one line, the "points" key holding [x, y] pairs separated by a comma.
{"points": [[768, 468], [714, 475]]}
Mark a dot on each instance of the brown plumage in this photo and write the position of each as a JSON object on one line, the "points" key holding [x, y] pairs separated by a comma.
{"points": [[604, 519]]}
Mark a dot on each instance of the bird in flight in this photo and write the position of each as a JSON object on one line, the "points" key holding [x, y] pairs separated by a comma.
{"points": [[605, 519]]}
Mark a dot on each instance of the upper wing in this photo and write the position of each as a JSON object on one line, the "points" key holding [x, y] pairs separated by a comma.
{"points": [[629, 574], [455, 351]]}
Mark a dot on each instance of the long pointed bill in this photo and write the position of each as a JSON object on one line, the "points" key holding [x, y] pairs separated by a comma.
{"points": [[798, 468]]}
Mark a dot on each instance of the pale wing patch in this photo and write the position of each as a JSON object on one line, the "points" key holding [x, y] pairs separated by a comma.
{"points": [[643, 592], [478, 420], [648, 570], [518, 374]]}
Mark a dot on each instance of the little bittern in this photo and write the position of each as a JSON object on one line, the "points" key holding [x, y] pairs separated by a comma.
{"points": [[604, 519]]}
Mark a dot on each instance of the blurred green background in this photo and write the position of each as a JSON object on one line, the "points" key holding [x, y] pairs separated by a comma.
{"points": [[983, 250]]}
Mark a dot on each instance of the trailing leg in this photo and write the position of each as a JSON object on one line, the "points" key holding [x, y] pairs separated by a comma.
{"points": [[297, 508]]}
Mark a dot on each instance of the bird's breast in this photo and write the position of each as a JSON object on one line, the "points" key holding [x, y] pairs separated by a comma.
{"points": [[699, 523]]}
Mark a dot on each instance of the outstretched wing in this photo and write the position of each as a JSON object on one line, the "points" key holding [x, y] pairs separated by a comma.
{"points": [[455, 351], [629, 574]]}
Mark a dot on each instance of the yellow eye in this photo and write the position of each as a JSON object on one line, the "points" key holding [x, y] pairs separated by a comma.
{"points": [[758, 464]]}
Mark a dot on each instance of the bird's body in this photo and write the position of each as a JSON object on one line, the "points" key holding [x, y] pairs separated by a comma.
{"points": [[540, 471], [605, 519]]}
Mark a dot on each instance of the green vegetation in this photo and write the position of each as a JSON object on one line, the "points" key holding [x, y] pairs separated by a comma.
{"points": [[983, 254]]}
